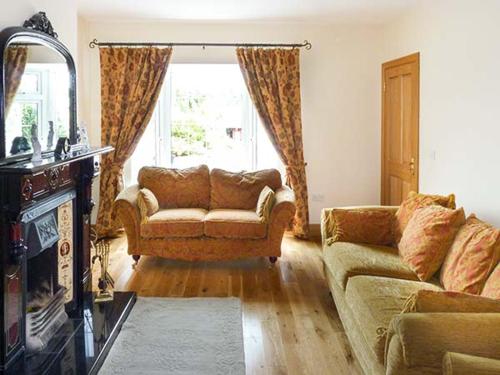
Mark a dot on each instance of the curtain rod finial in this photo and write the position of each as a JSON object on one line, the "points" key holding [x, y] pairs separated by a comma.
{"points": [[307, 44], [93, 43]]}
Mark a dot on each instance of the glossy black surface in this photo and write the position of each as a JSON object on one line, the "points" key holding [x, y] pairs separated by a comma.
{"points": [[50, 161], [81, 345]]}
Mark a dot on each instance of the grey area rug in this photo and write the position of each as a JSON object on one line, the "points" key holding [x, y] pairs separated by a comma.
{"points": [[179, 336]]}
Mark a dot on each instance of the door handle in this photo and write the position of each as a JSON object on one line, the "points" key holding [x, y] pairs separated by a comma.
{"points": [[412, 166]]}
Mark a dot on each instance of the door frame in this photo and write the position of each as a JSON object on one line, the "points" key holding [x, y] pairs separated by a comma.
{"points": [[412, 58]]}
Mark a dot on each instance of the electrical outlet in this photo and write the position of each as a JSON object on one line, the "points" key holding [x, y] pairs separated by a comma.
{"points": [[318, 197]]}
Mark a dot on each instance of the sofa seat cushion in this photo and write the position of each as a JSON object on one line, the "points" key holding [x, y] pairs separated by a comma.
{"points": [[174, 222], [227, 223], [345, 259], [374, 301]]}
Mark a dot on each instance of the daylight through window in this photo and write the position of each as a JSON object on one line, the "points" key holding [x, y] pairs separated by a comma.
{"points": [[204, 116]]}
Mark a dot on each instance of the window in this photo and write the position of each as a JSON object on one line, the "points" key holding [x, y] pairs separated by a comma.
{"points": [[204, 116], [32, 105]]}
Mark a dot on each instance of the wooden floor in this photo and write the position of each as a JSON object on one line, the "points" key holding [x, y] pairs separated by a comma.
{"points": [[289, 319]]}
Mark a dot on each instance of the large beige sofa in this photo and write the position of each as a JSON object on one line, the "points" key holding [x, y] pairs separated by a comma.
{"points": [[205, 215], [370, 286]]}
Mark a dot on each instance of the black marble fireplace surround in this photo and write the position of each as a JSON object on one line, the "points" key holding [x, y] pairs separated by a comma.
{"points": [[45, 207]]}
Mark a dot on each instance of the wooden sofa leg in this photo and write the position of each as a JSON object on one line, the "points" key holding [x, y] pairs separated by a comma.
{"points": [[136, 260], [273, 259]]}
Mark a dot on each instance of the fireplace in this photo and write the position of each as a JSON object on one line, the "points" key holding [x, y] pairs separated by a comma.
{"points": [[49, 322], [50, 295]]}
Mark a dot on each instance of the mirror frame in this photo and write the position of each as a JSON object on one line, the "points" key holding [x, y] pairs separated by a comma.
{"points": [[6, 37]]}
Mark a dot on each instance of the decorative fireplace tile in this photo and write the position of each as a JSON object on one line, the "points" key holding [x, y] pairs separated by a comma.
{"points": [[65, 248]]}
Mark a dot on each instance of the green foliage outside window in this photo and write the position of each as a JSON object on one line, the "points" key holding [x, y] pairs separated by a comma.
{"points": [[29, 116], [190, 139], [188, 133]]}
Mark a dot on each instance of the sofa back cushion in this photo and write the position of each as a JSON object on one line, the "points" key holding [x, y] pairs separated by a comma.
{"points": [[428, 237], [472, 257], [240, 190], [492, 286], [178, 188], [362, 225], [412, 203]]}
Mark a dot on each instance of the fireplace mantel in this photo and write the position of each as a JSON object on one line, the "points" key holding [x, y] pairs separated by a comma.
{"points": [[52, 162]]}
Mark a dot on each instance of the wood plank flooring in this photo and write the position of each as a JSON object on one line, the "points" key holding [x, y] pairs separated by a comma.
{"points": [[289, 319]]}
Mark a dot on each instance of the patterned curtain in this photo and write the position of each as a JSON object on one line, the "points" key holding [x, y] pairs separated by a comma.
{"points": [[14, 69], [272, 77], [131, 81]]}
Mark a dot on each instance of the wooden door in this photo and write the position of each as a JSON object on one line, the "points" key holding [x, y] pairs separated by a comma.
{"points": [[400, 118]]}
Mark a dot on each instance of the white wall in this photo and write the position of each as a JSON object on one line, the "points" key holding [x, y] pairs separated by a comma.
{"points": [[459, 97], [62, 14], [340, 94]]}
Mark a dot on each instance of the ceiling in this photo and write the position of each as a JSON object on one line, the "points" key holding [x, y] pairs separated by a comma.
{"points": [[328, 11]]}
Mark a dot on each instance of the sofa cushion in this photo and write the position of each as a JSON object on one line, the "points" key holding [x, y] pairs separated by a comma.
{"points": [[412, 203], [374, 301], [465, 364], [177, 188], [226, 223], [147, 202], [240, 190], [428, 237], [492, 286], [473, 255], [432, 301], [362, 225], [265, 203], [174, 222], [345, 259]]}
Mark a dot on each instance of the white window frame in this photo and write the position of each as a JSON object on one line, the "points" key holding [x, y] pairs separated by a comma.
{"points": [[162, 123]]}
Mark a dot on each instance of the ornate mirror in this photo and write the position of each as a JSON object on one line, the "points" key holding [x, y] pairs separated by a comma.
{"points": [[37, 93]]}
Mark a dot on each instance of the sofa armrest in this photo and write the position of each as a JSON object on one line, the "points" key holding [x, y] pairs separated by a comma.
{"points": [[464, 364], [420, 340], [128, 213], [328, 220], [282, 213]]}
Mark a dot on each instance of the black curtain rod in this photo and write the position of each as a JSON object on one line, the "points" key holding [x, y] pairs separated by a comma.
{"points": [[95, 43]]}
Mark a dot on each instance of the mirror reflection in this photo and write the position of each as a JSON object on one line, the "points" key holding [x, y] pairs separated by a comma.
{"points": [[37, 103]]}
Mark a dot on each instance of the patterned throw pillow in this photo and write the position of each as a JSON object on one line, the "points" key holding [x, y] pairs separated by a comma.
{"points": [[265, 203], [472, 257], [492, 287], [147, 202], [361, 225], [428, 237], [413, 202]]}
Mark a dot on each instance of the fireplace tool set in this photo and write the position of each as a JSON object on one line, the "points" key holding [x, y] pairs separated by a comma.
{"points": [[105, 284]]}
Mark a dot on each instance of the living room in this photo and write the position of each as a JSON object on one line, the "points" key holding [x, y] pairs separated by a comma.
{"points": [[234, 186]]}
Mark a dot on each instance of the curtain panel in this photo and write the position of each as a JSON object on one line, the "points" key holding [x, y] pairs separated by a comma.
{"points": [[15, 63], [272, 77], [131, 81]]}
